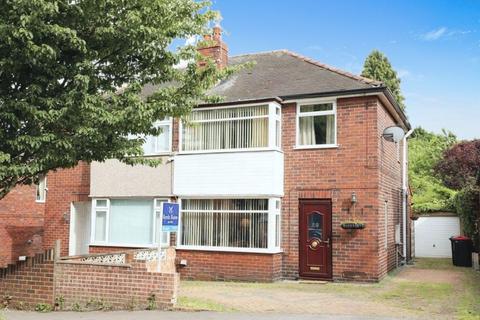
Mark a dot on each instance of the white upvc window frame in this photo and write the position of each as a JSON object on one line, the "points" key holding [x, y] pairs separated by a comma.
{"points": [[271, 226], [312, 114], [41, 189], [272, 117], [166, 122], [107, 243]]}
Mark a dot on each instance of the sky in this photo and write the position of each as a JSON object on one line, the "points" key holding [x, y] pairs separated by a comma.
{"points": [[433, 45]]}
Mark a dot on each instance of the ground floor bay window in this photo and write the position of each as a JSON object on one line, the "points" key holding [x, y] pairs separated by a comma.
{"points": [[230, 224], [127, 222]]}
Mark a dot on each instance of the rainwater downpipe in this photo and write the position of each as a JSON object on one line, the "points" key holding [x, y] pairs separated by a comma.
{"points": [[404, 194]]}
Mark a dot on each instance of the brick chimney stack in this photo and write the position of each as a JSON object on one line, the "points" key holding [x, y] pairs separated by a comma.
{"points": [[217, 49]]}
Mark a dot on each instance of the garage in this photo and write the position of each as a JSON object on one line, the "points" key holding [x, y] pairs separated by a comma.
{"points": [[432, 235]]}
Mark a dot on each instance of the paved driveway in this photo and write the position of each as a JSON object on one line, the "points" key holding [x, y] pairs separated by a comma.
{"points": [[432, 289], [156, 315]]}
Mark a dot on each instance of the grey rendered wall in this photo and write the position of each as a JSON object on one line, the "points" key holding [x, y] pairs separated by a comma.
{"points": [[115, 179]]}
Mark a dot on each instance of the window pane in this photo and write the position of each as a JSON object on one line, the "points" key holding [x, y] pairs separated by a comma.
{"points": [[240, 223], [316, 107], [158, 144], [101, 203], [158, 227], [100, 225], [277, 230], [315, 226], [221, 129], [277, 133], [41, 188], [131, 222], [163, 140], [315, 130]]}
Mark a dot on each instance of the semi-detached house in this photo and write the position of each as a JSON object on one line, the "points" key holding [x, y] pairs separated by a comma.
{"points": [[264, 179]]}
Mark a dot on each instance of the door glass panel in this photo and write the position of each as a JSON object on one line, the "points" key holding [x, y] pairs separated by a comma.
{"points": [[315, 225]]}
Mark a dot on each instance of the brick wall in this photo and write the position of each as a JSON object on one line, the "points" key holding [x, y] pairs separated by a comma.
{"points": [[86, 285], [117, 287], [334, 174], [21, 224], [30, 286], [64, 187], [212, 265], [390, 163]]}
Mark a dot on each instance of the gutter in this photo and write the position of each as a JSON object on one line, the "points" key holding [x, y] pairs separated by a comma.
{"points": [[405, 194]]}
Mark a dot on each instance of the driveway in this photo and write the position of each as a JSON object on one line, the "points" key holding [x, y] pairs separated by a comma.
{"points": [[432, 289], [166, 315]]}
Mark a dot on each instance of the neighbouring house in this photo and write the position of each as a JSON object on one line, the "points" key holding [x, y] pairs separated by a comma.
{"points": [[265, 180]]}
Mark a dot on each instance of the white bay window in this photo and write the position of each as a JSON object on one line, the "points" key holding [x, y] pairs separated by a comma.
{"points": [[232, 128], [127, 222], [230, 224], [316, 125]]}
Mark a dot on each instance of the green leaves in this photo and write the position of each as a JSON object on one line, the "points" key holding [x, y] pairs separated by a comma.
{"points": [[425, 150], [377, 67], [71, 74]]}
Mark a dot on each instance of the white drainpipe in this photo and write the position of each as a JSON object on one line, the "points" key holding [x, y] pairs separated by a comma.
{"points": [[404, 193]]}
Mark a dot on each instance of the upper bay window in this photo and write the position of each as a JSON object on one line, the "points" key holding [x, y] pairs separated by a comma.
{"points": [[232, 128], [316, 125], [128, 222]]}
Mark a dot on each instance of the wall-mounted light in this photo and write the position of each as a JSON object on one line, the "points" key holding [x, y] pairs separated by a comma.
{"points": [[354, 198], [66, 217]]}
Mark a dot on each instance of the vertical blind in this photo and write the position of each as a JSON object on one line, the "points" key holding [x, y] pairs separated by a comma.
{"points": [[239, 223], [230, 128]]}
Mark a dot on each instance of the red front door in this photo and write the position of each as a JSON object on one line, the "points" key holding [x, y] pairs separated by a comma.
{"points": [[315, 239]]}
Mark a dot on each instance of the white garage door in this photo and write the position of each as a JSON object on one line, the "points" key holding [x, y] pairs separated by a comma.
{"points": [[432, 236]]}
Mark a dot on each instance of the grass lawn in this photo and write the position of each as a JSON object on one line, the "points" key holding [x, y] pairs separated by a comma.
{"points": [[431, 288]]}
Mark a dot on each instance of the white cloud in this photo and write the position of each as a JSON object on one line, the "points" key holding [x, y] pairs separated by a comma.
{"points": [[434, 34], [403, 73], [443, 32]]}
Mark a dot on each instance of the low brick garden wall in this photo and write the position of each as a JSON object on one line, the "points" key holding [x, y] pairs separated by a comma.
{"points": [[120, 281]]}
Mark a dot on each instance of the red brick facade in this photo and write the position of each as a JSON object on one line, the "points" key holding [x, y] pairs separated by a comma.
{"points": [[21, 225], [22, 228], [357, 165], [64, 187], [213, 265]]}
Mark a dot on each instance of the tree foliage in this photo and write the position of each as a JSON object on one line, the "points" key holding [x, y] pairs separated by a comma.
{"points": [[460, 166], [378, 67], [62, 63], [425, 151], [460, 170]]}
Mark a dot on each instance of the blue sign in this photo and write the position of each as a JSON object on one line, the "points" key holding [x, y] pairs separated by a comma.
{"points": [[170, 216]]}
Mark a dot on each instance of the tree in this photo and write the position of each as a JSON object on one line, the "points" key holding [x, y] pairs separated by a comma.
{"points": [[460, 170], [377, 67], [460, 166], [71, 73], [425, 151]]}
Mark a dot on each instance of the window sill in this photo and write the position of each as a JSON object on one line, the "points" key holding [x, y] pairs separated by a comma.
{"points": [[230, 249], [325, 146], [40, 201], [120, 245], [229, 151], [166, 153]]}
